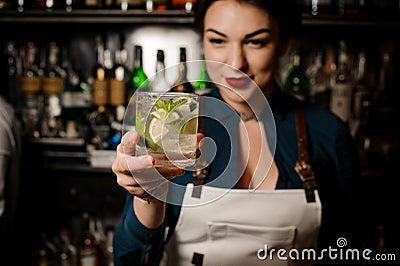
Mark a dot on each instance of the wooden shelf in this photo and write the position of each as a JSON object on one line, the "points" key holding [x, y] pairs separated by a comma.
{"points": [[97, 16], [351, 21], [110, 16]]}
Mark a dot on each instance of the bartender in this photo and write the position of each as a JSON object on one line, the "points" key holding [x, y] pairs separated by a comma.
{"points": [[268, 186]]}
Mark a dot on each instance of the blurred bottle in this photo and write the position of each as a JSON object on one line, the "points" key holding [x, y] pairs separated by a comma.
{"points": [[137, 77], [109, 251], [71, 4], [350, 7], [125, 5], [109, 60], [160, 83], [109, 4], [342, 85], [76, 99], [117, 88], [118, 97], [87, 246], [100, 121], [362, 104], [67, 252], [77, 91], [4, 4], [101, 118], [48, 5], [319, 80], [322, 7], [151, 5], [186, 5], [296, 82], [385, 96], [137, 80], [21, 6], [45, 254], [160, 4], [182, 83], [93, 4], [99, 86], [203, 84], [361, 96], [30, 82], [53, 84], [13, 68]]}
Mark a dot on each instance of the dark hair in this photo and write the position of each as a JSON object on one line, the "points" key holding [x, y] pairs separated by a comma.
{"points": [[287, 12]]}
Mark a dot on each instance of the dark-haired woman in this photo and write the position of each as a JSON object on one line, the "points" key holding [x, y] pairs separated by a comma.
{"points": [[270, 211]]}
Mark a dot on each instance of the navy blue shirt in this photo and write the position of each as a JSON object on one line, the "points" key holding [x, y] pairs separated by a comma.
{"points": [[333, 159]]}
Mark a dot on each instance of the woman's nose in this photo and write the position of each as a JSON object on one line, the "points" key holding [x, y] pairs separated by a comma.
{"points": [[238, 58]]}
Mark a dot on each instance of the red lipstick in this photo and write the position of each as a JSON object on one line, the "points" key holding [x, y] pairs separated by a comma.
{"points": [[238, 83]]}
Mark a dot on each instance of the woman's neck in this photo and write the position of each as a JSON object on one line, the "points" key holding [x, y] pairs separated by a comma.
{"points": [[247, 108]]}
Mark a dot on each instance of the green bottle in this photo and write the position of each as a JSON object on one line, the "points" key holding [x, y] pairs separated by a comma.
{"points": [[203, 84], [137, 76], [296, 82]]}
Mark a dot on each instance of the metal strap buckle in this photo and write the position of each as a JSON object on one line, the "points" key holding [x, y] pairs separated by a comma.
{"points": [[303, 169], [306, 174]]}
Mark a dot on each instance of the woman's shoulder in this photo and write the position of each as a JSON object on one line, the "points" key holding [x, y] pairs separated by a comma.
{"points": [[315, 115], [324, 125], [322, 117]]}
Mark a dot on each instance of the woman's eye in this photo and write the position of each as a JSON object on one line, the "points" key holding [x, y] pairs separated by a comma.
{"points": [[258, 43], [216, 41]]}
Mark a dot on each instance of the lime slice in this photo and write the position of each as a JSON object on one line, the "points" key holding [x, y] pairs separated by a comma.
{"points": [[157, 129], [189, 126], [172, 117], [159, 114]]}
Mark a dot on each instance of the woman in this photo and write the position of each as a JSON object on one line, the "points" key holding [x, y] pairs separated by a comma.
{"points": [[249, 36]]}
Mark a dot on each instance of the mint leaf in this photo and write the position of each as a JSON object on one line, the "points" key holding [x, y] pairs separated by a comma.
{"points": [[169, 105]]}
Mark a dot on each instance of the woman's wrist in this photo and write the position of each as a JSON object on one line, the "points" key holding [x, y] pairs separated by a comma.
{"points": [[150, 211]]}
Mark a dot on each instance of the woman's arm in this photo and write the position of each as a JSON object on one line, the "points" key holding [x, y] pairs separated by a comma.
{"points": [[139, 232]]}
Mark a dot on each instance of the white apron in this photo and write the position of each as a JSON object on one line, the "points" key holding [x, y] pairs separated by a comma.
{"points": [[237, 228]]}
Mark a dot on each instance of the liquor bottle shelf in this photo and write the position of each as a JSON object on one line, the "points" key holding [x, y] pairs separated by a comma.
{"points": [[111, 16], [97, 16], [379, 21]]}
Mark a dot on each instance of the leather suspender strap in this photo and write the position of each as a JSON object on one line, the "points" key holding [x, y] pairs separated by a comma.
{"points": [[303, 167]]}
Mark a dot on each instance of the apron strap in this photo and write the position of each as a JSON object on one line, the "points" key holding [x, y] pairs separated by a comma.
{"points": [[303, 166], [197, 259]]}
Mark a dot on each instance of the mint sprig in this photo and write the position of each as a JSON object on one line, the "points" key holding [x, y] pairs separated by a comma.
{"points": [[169, 105]]}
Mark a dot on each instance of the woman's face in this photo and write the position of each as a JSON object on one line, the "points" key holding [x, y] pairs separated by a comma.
{"points": [[246, 38]]}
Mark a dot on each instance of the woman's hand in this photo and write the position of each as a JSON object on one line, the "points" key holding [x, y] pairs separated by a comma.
{"points": [[131, 170], [137, 175], [148, 184]]}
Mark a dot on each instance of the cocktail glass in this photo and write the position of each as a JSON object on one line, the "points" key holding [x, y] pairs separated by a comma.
{"points": [[167, 124]]}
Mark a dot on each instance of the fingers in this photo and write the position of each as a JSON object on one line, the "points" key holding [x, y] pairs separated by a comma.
{"points": [[200, 136], [128, 143], [137, 174], [170, 172], [137, 163]]}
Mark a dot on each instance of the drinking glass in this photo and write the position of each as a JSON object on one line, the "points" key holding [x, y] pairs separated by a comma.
{"points": [[167, 124]]}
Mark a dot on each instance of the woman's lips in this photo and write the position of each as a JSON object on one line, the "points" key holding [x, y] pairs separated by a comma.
{"points": [[241, 82]]}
